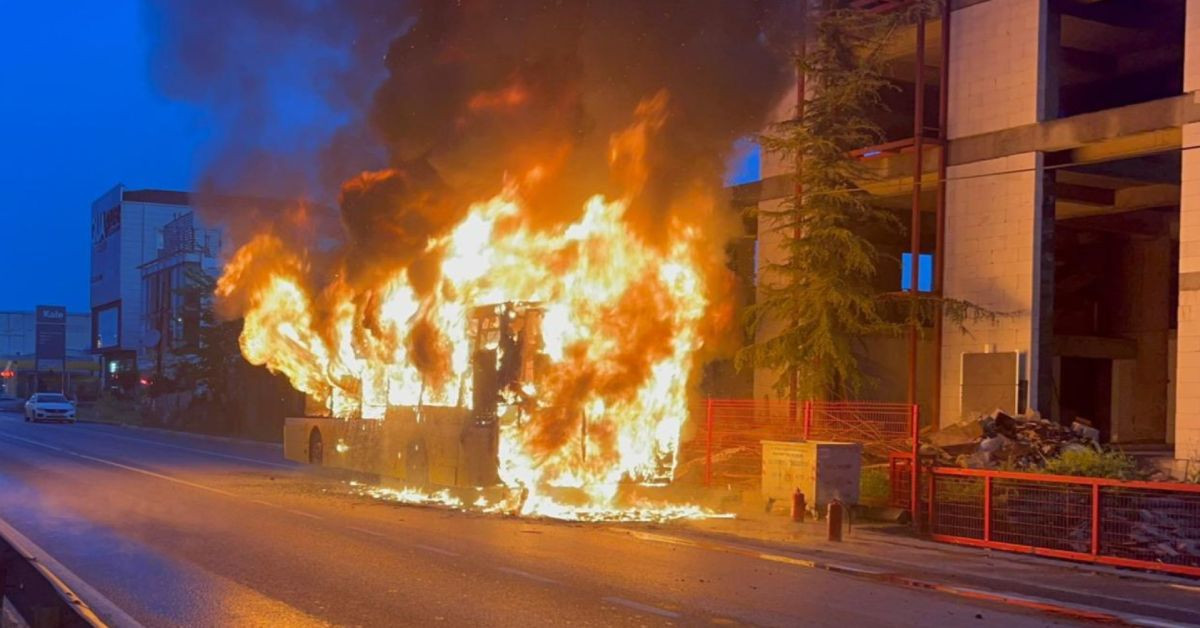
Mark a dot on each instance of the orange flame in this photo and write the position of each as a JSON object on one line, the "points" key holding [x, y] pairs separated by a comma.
{"points": [[621, 327]]}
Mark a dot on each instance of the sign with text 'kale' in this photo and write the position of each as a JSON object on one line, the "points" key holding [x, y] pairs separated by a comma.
{"points": [[51, 332]]}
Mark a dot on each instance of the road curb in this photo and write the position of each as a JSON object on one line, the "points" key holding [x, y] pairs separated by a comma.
{"points": [[879, 539], [1034, 597]]}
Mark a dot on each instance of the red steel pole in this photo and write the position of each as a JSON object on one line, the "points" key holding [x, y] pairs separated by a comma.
{"points": [[808, 412], [932, 501], [915, 469], [1095, 518], [708, 421], [987, 508]]}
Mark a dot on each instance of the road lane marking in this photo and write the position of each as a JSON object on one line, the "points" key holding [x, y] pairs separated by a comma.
{"points": [[526, 574], [436, 550], [787, 560], [199, 451], [366, 531], [175, 480], [660, 538], [123, 466], [645, 608]]}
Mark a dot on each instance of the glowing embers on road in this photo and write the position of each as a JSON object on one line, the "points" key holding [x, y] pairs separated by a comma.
{"points": [[510, 502]]}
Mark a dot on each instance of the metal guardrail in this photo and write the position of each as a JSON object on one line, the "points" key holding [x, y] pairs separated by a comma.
{"points": [[1145, 525], [35, 594]]}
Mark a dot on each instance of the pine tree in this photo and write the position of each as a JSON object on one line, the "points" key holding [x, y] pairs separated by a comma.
{"points": [[820, 298]]}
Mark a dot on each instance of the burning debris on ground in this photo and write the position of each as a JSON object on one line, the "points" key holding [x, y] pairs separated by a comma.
{"points": [[999, 440]]}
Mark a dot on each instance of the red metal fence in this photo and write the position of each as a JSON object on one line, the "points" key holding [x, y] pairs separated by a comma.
{"points": [[882, 428], [726, 450], [1146, 525], [900, 480]]}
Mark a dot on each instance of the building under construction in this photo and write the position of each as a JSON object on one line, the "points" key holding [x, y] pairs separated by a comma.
{"points": [[1049, 151]]}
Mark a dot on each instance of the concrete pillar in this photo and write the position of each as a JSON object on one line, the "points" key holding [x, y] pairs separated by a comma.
{"points": [[1186, 382], [1187, 358], [993, 260], [996, 212]]}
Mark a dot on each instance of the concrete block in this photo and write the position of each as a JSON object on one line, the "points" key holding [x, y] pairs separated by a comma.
{"points": [[822, 470]]}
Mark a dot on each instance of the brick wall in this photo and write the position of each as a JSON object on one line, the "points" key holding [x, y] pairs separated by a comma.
{"points": [[991, 228], [994, 66]]}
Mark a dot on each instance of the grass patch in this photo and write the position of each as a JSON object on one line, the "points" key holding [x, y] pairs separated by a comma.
{"points": [[874, 486], [1090, 463]]}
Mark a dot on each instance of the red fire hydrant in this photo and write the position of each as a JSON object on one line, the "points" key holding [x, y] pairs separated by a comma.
{"points": [[834, 518], [798, 506]]}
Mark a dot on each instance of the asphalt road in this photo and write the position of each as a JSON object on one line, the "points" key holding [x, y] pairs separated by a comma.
{"points": [[177, 530]]}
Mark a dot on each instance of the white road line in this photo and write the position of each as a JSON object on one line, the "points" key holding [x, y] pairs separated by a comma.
{"points": [[787, 560], [202, 452], [660, 538], [436, 550], [366, 531], [262, 502], [645, 608], [166, 477], [858, 570], [526, 574], [123, 466], [1156, 623]]}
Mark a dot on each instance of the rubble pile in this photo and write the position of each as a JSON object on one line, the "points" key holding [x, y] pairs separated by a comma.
{"points": [[997, 440], [1167, 528]]}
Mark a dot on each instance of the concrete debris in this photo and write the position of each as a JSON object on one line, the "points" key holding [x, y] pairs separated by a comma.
{"points": [[998, 439]]}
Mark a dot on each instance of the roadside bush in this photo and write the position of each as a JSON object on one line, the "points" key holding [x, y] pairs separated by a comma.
{"points": [[110, 409], [1090, 463], [874, 486]]}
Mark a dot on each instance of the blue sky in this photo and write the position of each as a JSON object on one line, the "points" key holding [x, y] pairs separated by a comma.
{"points": [[79, 115]]}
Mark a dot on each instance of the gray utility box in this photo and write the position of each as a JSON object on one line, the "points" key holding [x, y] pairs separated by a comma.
{"points": [[822, 470]]}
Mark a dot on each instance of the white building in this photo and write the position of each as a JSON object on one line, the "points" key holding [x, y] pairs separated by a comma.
{"points": [[127, 233]]}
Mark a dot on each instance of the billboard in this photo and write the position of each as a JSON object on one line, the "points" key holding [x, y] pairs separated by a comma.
{"points": [[51, 332]]}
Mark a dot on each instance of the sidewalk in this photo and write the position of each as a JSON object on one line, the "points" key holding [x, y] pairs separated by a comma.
{"points": [[891, 552]]}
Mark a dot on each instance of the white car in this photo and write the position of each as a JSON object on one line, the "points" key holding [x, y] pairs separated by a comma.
{"points": [[49, 407]]}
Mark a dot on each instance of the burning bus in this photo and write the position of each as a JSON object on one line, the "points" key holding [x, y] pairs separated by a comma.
{"points": [[540, 360], [522, 297], [441, 445]]}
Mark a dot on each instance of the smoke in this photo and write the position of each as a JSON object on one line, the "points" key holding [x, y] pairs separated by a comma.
{"points": [[288, 84], [307, 93], [402, 114], [489, 88]]}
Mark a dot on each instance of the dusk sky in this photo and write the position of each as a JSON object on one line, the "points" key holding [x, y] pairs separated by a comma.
{"points": [[83, 114], [79, 116]]}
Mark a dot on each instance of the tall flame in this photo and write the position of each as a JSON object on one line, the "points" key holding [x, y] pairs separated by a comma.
{"points": [[621, 327]]}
